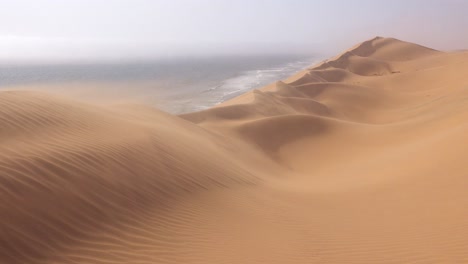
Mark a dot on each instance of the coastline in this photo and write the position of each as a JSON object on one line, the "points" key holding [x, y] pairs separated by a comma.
{"points": [[176, 86], [358, 159]]}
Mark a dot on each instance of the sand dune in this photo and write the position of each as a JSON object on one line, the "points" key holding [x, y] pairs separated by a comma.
{"points": [[360, 159]]}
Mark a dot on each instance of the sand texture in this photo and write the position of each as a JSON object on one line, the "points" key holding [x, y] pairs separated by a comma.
{"points": [[362, 158]]}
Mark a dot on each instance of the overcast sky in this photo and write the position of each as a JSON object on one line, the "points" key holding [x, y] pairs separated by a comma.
{"points": [[112, 29]]}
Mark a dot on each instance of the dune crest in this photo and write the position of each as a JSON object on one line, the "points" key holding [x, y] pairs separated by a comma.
{"points": [[359, 159]]}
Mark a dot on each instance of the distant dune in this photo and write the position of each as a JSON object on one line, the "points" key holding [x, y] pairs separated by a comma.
{"points": [[360, 159]]}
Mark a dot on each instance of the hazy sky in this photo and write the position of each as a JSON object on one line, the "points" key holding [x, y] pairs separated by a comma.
{"points": [[112, 29]]}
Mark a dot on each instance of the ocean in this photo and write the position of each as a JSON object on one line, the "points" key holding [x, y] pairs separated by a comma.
{"points": [[178, 85]]}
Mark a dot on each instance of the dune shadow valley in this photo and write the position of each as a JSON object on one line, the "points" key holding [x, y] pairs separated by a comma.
{"points": [[362, 158]]}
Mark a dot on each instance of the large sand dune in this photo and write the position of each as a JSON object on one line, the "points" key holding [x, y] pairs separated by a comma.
{"points": [[360, 159]]}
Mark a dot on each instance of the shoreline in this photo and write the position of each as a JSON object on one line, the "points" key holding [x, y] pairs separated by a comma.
{"points": [[171, 91], [358, 159]]}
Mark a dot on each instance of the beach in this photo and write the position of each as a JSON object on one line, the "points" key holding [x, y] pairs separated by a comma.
{"points": [[173, 84], [360, 158]]}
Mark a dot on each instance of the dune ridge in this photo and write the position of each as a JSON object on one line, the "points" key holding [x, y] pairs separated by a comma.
{"points": [[359, 159]]}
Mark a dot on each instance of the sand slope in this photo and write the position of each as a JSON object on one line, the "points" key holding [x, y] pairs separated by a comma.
{"points": [[360, 159]]}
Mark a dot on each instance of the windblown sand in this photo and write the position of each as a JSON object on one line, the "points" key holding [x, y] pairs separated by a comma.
{"points": [[361, 159]]}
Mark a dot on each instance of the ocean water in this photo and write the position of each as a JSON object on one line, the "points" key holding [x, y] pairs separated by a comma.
{"points": [[180, 85]]}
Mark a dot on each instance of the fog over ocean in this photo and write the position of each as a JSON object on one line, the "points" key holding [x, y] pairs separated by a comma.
{"points": [[180, 85]]}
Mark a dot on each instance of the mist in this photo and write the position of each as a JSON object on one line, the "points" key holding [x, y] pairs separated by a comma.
{"points": [[86, 30]]}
